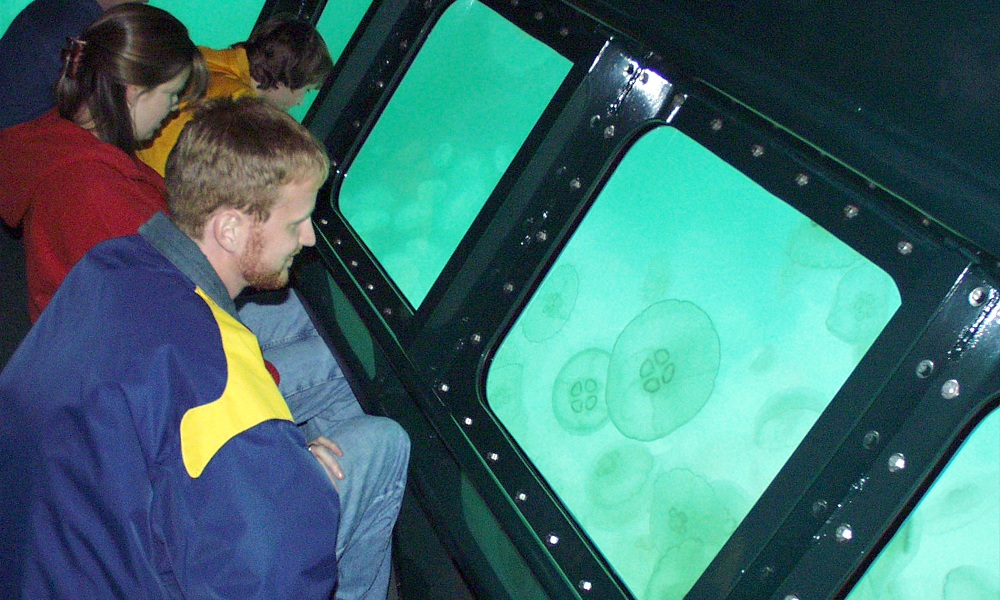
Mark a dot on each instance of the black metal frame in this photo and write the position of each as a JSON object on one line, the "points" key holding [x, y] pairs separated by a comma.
{"points": [[431, 363]]}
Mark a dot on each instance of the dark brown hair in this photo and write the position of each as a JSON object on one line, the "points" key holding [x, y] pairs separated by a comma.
{"points": [[130, 44], [287, 50]]}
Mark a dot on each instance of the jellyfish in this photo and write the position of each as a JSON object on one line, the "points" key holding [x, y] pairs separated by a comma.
{"points": [[662, 370], [814, 247], [552, 304], [968, 582], [617, 487], [658, 278], [786, 417], [619, 474], [678, 570], [685, 507], [865, 300], [578, 393], [503, 393]]}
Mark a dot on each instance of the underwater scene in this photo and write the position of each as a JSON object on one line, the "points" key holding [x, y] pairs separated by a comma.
{"points": [[687, 338]]}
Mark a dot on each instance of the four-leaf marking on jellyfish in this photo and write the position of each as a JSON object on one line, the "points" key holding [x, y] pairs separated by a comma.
{"points": [[662, 370], [578, 399]]}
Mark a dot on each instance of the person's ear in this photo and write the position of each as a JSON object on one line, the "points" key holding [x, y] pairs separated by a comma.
{"points": [[132, 93], [230, 229]]}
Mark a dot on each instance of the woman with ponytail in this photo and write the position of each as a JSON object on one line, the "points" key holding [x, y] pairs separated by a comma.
{"points": [[71, 177]]}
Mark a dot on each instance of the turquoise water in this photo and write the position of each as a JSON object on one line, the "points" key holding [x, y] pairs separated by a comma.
{"points": [[688, 337], [435, 154]]}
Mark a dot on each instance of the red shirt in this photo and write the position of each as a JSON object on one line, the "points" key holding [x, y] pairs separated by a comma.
{"points": [[70, 191]]}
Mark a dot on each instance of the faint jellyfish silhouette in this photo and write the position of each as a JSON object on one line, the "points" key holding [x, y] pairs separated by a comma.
{"points": [[969, 582], [865, 299], [881, 580], [578, 393], [685, 506], [677, 570], [617, 486], [552, 304], [504, 396], [786, 417], [619, 474], [662, 370], [658, 278], [812, 246]]}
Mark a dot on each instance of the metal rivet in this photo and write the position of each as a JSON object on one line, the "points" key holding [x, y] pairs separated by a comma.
{"points": [[757, 151], [493, 456], [404, 44], [925, 368], [819, 508], [521, 497], [870, 441], [443, 387], [354, 263], [850, 211], [370, 287], [552, 539], [387, 311], [324, 222], [609, 132], [514, 2], [595, 120], [897, 462], [716, 124], [541, 236], [476, 338], [539, 15], [904, 247], [766, 572], [978, 296], [801, 179], [467, 421], [844, 533], [338, 242], [508, 288], [791, 597], [585, 586], [925, 222], [356, 124], [575, 183], [564, 31], [950, 389]]}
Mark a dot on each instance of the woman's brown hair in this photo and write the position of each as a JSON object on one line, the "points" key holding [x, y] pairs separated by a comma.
{"points": [[130, 44]]}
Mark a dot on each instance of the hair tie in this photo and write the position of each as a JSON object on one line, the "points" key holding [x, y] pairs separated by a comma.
{"points": [[72, 55]]}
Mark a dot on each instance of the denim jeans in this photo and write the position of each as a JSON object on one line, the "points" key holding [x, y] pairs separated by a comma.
{"points": [[376, 449]]}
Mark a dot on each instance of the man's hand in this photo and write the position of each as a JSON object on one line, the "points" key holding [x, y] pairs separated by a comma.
{"points": [[326, 452]]}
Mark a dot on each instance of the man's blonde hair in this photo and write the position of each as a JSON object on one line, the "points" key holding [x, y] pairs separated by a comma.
{"points": [[237, 154]]}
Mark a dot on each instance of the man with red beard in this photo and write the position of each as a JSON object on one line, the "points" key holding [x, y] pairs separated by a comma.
{"points": [[148, 452]]}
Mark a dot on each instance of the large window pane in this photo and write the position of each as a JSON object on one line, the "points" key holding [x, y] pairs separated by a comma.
{"points": [[460, 114], [949, 547], [685, 341]]}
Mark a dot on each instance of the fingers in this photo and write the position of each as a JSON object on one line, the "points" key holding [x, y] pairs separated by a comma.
{"points": [[327, 443], [327, 458]]}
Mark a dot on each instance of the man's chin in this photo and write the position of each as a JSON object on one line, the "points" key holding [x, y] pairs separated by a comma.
{"points": [[273, 281]]}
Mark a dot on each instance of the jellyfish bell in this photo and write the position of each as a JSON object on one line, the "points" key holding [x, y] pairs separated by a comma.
{"points": [[662, 370], [578, 394]]}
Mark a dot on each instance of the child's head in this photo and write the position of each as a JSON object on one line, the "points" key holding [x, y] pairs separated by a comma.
{"points": [[127, 71], [287, 57]]}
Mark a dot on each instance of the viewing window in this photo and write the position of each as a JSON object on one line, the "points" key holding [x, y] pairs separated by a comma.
{"points": [[685, 341], [460, 114]]}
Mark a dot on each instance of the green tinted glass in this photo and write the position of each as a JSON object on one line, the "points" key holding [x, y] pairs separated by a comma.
{"points": [[472, 95], [683, 344], [336, 25], [949, 547]]}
